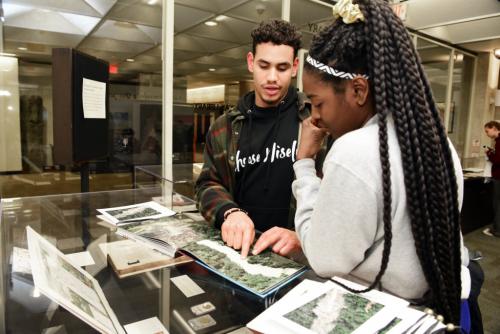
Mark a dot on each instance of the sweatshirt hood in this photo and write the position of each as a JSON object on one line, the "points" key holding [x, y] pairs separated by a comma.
{"points": [[247, 102]]}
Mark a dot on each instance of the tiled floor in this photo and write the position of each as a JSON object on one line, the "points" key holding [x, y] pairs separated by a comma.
{"points": [[489, 300]]}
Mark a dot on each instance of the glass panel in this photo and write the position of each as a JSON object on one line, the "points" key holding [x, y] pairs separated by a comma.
{"points": [[124, 33], [210, 71], [310, 17], [435, 60], [460, 101]]}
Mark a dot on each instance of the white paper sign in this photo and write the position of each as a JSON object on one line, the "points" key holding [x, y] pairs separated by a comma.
{"points": [[148, 326], [94, 99], [187, 286], [82, 258]]}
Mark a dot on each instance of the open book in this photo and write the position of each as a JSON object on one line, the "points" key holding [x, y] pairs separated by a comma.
{"points": [[317, 307], [260, 274], [57, 277]]}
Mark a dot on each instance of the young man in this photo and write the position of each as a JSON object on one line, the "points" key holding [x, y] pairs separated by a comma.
{"points": [[245, 184]]}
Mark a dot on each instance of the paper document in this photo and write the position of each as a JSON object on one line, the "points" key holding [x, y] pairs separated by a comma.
{"points": [[147, 326], [93, 98], [187, 286], [68, 285], [82, 258]]}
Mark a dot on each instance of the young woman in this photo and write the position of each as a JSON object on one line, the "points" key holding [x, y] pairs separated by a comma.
{"points": [[492, 130], [386, 211]]}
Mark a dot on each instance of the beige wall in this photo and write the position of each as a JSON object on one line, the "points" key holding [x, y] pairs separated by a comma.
{"points": [[483, 108], [10, 125]]}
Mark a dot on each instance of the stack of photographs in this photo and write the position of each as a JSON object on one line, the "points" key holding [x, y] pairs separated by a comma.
{"points": [[327, 308]]}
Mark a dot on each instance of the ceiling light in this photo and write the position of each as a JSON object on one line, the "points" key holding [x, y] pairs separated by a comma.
{"points": [[152, 2], [211, 69], [22, 48], [221, 18], [211, 23], [123, 24], [130, 60], [496, 52]]}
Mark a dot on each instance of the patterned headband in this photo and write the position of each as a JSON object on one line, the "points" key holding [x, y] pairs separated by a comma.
{"points": [[330, 70]]}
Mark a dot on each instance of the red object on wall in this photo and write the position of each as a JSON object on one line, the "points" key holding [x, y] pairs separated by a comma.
{"points": [[113, 69]]}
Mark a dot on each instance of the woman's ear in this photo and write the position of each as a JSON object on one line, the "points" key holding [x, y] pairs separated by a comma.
{"points": [[361, 89]]}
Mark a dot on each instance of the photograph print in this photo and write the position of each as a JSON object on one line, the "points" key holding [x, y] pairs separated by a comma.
{"points": [[335, 312], [141, 211], [257, 273]]}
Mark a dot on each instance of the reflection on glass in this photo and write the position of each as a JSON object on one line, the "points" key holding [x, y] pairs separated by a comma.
{"points": [[127, 35], [435, 60], [310, 17], [460, 100]]}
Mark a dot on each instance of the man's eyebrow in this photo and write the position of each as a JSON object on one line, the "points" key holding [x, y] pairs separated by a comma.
{"points": [[263, 61]]}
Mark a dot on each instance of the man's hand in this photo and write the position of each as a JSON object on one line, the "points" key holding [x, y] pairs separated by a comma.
{"points": [[311, 139], [238, 232], [282, 240]]}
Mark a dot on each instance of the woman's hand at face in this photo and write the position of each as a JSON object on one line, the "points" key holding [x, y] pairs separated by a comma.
{"points": [[311, 139]]}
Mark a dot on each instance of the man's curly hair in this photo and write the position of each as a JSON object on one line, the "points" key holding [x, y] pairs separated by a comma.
{"points": [[277, 32]]}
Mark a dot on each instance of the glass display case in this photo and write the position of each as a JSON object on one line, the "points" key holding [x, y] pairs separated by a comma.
{"points": [[69, 222]]}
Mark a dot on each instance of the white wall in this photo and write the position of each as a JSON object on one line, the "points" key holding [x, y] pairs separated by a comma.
{"points": [[10, 125]]}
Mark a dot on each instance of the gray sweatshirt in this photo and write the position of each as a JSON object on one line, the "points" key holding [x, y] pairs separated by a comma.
{"points": [[339, 218]]}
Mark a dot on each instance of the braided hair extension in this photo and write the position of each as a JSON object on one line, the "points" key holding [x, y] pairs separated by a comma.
{"points": [[382, 48]]}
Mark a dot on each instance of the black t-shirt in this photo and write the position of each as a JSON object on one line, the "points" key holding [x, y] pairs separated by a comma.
{"points": [[266, 152]]}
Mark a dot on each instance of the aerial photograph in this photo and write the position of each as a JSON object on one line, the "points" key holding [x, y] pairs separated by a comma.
{"points": [[335, 312], [258, 273]]}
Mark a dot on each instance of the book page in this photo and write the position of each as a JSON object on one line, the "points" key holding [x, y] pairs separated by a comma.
{"points": [[69, 286], [256, 273]]}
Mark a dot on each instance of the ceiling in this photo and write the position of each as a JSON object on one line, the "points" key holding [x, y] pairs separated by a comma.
{"points": [[474, 25], [127, 33]]}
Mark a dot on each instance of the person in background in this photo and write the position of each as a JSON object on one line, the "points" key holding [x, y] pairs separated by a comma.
{"points": [[245, 183], [492, 130], [386, 212]]}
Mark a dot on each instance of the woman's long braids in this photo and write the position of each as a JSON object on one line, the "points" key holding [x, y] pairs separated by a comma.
{"points": [[381, 47]]}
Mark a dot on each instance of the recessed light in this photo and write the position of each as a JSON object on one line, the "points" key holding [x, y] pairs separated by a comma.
{"points": [[22, 48], [211, 23], [211, 69], [152, 2], [130, 60], [220, 18]]}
